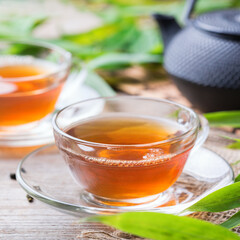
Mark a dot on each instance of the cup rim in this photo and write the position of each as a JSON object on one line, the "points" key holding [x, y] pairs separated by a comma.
{"points": [[67, 61], [90, 143]]}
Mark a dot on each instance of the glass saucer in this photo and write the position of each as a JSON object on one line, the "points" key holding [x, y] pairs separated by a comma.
{"points": [[44, 175], [39, 133]]}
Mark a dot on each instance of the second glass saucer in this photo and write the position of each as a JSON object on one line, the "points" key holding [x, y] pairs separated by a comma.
{"points": [[44, 175]]}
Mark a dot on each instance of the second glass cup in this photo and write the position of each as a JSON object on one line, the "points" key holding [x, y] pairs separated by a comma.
{"points": [[31, 78], [126, 151]]}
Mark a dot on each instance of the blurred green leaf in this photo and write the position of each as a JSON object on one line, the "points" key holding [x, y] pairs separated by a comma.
{"points": [[78, 50], [112, 11], [206, 5], [221, 200], [232, 222], [161, 226], [235, 145], [122, 39], [225, 118], [93, 36], [96, 82], [113, 59], [170, 8], [19, 26], [132, 2], [235, 163], [237, 179], [146, 42]]}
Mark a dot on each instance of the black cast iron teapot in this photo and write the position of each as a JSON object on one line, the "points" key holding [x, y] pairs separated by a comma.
{"points": [[203, 58]]}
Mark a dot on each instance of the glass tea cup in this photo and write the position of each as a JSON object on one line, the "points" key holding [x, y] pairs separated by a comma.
{"points": [[31, 78], [127, 175]]}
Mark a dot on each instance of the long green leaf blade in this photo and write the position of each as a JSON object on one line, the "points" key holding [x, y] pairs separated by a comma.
{"points": [[237, 179], [20, 26], [123, 58], [232, 222], [235, 163], [221, 200], [96, 82], [235, 145], [225, 118], [161, 226]]}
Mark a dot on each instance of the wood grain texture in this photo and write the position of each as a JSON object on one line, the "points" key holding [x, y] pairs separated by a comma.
{"points": [[20, 219]]}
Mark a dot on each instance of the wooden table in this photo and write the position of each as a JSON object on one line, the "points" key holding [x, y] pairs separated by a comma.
{"points": [[22, 220]]}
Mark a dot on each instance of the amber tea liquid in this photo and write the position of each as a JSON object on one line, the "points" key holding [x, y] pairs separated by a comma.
{"points": [[125, 172], [21, 100]]}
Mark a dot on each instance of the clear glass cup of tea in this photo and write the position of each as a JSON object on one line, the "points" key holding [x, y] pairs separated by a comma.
{"points": [[127, 151], [31, 78]]}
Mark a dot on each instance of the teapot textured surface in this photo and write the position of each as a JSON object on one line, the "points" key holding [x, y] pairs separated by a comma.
{"points": [[203, 58]]}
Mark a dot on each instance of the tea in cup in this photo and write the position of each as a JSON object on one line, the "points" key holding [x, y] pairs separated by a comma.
{"points": [[126, 151], [31, 78]]}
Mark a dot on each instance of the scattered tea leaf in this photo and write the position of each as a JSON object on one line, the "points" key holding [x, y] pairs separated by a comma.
{"points": [[30, 198], [225, 118], [13, 176], [221, 200], [232, 222], [161, 226], [23, 170]]}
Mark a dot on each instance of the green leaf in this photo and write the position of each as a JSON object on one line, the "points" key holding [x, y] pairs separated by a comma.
{"points": [[235, 163], [146, 42], [237, 179], [96, 82], [93, 36], [221, 200], [123, 59], [231, 138], [232, 222], [225, 118], [122, 39], [20, 26], [206, 5], [161, 226], [80, 51], [235, 145]]}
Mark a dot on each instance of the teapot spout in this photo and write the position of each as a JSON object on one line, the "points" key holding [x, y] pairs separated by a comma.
{"points": [[168, 27]]}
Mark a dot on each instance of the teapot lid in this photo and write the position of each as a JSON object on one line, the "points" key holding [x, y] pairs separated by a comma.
{"points": [[226, 22]]}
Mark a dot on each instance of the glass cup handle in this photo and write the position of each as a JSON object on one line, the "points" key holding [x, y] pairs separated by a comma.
{"points": [[202, 133]]}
